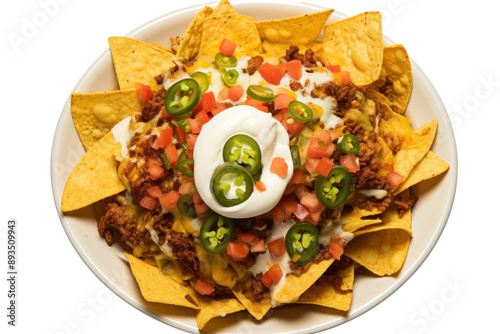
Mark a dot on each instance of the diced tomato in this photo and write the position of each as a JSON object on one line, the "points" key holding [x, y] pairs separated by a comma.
{"points": [[186, 187], [335, 133], [172, 155], [324, 136], [294, 69], [278, 214], [311, 202], [191, 140], [197, 198], [245, 237], [317, 148], [203, 288], [276, 273], [389, 168], [277, 247], [155, 171], [350, 162], [169, 200], [237, 251], [345, 76], [294, 127], [218, 108], [301, 212], [324, 166], [337, 248], [395, 179], [314, 218], [289, 189], [223, 94], [282, 101], [154, 192], [256, 104], [311, 165], [201, 210], [298, 177], [279, 167], [164, 113], [267, 280], [147, 203], [283, 210], [227, 47], [257, 246], [300, 190], [208, 101], [279, 116], [203, 117], [144, 92], [282, 68], [235, 93], [330, 148], [189, 155], [164, 138], [334, 68], [260, 186], [194, 125], [271, 73], [180, 134]]}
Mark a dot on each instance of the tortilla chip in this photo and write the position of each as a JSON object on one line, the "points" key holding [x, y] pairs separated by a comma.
{"points": [[376, 96], [396, 67], [157, 287], [137, 62], [323, 293], [257, 309], [211, 308], [390, 220], [357, 42], [413, 150], [298, 30], [95, 114], [238, 28], [161, 47], [224, 8], [430, 166], [295, 286], [190, 43], [381, 252], [94, 176]]}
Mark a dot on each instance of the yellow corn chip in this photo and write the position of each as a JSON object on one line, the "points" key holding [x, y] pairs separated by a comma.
{"points": [[430, 166], [390, 220], [137, 62], [299, 30], [190, 44], [94, 176], [377, 97], [237, 28], [324, 293], [224, 8], [257, 309], [382, 252], [161, 47], [295, 286], [156, 287], [95, 114], [211, 308], [357, 42], [396, 67]]}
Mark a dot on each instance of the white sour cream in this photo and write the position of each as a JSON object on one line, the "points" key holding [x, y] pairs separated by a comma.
{"points": [[122, 134], [377, 193], [273, 141]]}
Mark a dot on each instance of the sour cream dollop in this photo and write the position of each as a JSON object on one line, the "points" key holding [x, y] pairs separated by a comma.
{"points": [[273, 142]]}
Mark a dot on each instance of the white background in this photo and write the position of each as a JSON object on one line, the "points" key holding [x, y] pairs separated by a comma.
{"points": [[455, 43]]}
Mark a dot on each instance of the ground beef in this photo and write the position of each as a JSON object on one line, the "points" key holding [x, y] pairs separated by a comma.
{"points": [[185, 250], [369, 179], [295, 85], [253, 65], [387, 87], [117, 218], [162, 226], [298, 269], [309, 59], [175, 43], [254, 289], [159, 79], [293, 53], [403, 202], [345, 94], [153, 106], [372, 204], [221, 292], [148, 152], [352, 127]]}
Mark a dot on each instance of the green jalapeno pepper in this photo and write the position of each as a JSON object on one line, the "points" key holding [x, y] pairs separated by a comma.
{"points": [[259, 93], [216, 231], [295, 156], [326, 191], [186, 206], [202, 80], [224, 61], [244, 150], [256, 176], [231, 172], [182, 164], [301, 112], [230, 77], [302, 239], [182, 97], [348, 144], [245, 224]]}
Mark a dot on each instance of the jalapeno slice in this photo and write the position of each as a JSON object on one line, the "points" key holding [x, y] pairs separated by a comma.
{"points": [[182, 97], [185, 205], [245, 224], [202, 80], [256, 176], [302, 240], [216, 232], [230, 77], [348, 144], [227, 174], [182, 165], [294, 149], [224, 61], [326, 190], [244, 150], [259, 93], [301, 112]]}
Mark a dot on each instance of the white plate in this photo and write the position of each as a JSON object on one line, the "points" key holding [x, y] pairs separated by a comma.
{"points": [[109, 265]]}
